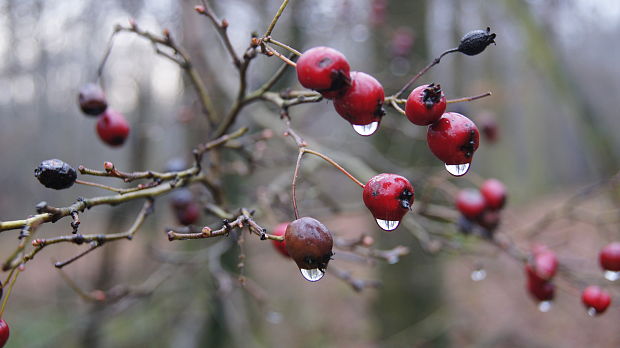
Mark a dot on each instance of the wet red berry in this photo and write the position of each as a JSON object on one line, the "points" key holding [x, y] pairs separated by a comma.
{"points": [[325, 70], [543, 262], [92, 100], [453, 138], [596, 298], [362, 103], [4, 332], [388, 197], [541, 291], [425, 105], [55, 174], [470, 203], [494, 193], [185, 209], [309, 243], [113, 128], [609, 257], [280, 246], [488, 127]]}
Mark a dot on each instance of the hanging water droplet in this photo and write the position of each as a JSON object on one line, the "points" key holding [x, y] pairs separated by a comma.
{"points": [[457, 169], [273, 317], [592, 311], [366, 129], [312, 275], [393, 259], [544, 306], [387, 225], [612, 276], [478, 275]]}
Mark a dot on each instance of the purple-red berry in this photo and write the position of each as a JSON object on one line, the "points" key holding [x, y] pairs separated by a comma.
{"points": [[309, 243], [609, 257], [113, 128], [4, 332], [92, 100]]}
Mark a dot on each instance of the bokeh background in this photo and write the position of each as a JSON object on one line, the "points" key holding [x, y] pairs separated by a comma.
{"points": [[555, 83]]}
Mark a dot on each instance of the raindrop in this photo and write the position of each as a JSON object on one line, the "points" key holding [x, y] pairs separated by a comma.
{"points": [[366, 129], [387, 225], [544, 306], [274, 317], [592, 311], [612, 276], [478, 275], [393, 259], [312, 275], [457, 169]]}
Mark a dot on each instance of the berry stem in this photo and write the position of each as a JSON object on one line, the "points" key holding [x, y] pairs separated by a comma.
{"points": [[271, 51], [8, 293], [106, 187], [335, 164], [269, 39], [466, 99], [275, 18], [294, 183], [424, 70]]}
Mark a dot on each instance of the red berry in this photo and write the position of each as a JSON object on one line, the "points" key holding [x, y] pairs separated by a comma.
{"points": [[470, 203], [425, 105], [494, 193], [309, 243], [489, 127], [92, 100], [362, 103], [543, 263], [185, 209], [388, 197], [113, 128], [4, 332], [489, 219], [280, 246], [325, 70], [541, 291], [453, 138], [596, 298], [609, 257]]}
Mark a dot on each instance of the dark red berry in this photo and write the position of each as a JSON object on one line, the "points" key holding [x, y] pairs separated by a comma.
{"points": [[362, 103], [494, 193], [309, 243], [453, 138], [280, 245], [92, 100], [488, 127], [541, 291], [185, 209], [609, 257], [596, 298], [55, 174], [113, 128], [325, 70], [543, 262], [470, 203], [4, 332], [476, 41], [388, 197], [425, 104]]}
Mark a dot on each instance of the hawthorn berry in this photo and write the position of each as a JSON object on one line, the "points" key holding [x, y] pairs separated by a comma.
{"points": [[325, 70], [470, 203], [92, 100], [541, 291], [494, 193], [489, 220], [425, 104], [113, 128], [489, 127], [362, 103], [309, 243], [55, 174], [4, 332], [595, 299], [280, 245], [453, 139], [543, 262], [476, 41], [388, 197], [185, 209], [609, 257]]}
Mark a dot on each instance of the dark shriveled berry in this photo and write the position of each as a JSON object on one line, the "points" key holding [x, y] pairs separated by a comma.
{"points": [[476, 41], [309, 243], [55, 174], [92, 100]]}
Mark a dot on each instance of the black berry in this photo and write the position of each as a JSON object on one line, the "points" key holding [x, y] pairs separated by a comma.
{"points": [[476, 41], [55, 174]]}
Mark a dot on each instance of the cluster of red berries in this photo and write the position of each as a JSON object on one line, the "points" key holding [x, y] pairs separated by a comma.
{"points": [[112, 127], [481, 208]]}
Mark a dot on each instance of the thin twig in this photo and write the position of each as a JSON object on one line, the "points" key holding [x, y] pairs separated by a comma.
{"points": [[423, 71]]}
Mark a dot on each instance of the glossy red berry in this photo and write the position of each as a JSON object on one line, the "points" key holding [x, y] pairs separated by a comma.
{"points": [[113, 128], [425, 105], [325, 70], [453, 138], [309, 243], [362, 103], [595, 298], [92, 100], [543, 263], [280, 246], [470, 203], [494, 193], [609, 257], [4, 332], [388, 197]]}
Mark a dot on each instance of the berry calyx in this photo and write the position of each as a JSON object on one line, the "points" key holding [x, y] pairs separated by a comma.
{"points": [[609, 257], [113, 128], [325, 70], [362, 103], [55, 174], [494, 193], [453, 139], [388, 197], [4, 332], [425, 104], [595, 299], [476, 41], [309, 243], [280, 245], [92, 100], [470, 203]]}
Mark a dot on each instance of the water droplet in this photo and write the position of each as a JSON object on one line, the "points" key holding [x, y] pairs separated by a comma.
{"points": [[592, 311], [544, 306], [366, 129], [393, 259], [312, 275], [274, 317], [387, 225], [612, 276], [478, 275], [457, 169]]}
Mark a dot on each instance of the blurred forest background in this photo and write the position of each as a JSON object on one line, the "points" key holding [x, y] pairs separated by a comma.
{"points": [[554, 77]]}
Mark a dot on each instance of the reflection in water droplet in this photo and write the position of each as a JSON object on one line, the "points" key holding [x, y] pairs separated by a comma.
{"points": [[592, 311], [478, 275], [393, 259], [366, 129], [612, 276], [544, 306], [273, 317], [387, 225], [312, 275], [457, 169]]}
